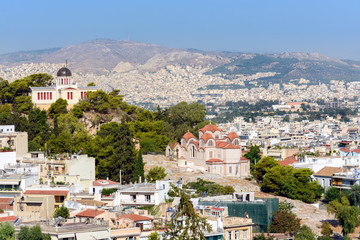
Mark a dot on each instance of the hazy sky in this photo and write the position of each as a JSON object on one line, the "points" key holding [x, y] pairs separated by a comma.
{"points": [[329, 27]]}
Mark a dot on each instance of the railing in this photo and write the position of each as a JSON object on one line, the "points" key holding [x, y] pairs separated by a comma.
{"points": [[136, 202]]}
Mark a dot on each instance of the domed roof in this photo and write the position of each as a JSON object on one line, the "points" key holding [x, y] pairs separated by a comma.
{"points": [[188, 135], [206, 137], [232, 136], [64, 72], [210, 127]]}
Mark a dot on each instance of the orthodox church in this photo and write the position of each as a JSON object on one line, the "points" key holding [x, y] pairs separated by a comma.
{"points": [[212, 152], [64, 88]]}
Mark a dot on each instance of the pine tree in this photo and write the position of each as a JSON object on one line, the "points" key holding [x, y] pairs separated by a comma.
{"points": [[192, 227], [139, 168]]}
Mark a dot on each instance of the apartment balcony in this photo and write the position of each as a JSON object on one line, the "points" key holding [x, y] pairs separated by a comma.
{"points": [[137, 202]]}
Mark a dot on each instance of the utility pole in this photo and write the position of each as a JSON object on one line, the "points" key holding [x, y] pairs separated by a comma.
{"points": [[120, 177]]}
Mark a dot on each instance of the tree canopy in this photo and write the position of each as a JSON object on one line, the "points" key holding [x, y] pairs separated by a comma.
{"points": [[187, 224], [62, 211], [156, 173]]}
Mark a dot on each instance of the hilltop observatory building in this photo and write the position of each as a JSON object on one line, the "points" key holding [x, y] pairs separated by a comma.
{"points": [[64, 88]]}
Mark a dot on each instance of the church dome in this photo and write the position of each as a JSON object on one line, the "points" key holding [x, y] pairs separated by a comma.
{"points": [[64, 72]]}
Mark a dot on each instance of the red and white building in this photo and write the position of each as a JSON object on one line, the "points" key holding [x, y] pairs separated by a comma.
{"points": [[212, 152], [64, 88]]}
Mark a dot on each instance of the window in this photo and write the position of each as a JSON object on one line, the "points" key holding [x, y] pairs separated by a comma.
{"points": [[245, 234], [193, 152], [71, 95], [38, 96], [147, 198], [211, 154], [50, 96], [68, 95], [237, 235], [133, 198], [229, 235], [210, 143], [47, 96], [229, 169]]}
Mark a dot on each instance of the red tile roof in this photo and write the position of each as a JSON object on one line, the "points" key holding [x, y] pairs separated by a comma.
{"points": [[328, 171], [344, 150], [135, 217], [173, 145], [5, 203], [294, 103], [232, 136], [102, 182], [287, 161], [210, 127], [356, 150], [217, 209], [214, 160], [188, 135], [226, 145], [8, 219], [244, 158], [206, 137], [47, 192], [90, 213]]}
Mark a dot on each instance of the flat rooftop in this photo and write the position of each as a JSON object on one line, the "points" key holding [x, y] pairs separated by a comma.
{"points": [[67, 227]]}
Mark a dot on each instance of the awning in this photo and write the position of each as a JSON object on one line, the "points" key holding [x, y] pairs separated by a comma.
{"points": [[93, 235], [68, 235], [2, 182]]}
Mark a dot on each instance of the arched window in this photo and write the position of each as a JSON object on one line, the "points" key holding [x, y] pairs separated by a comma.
{"points": [[193, 152], [236, 142]]}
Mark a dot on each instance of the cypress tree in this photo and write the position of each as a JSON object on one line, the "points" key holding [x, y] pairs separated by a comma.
{"points": [[139, 168]]}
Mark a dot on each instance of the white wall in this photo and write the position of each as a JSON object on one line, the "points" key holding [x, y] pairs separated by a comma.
{"points": [[7, 158]]}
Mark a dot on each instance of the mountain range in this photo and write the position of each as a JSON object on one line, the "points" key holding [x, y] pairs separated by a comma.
{"points": [[103, 56]]}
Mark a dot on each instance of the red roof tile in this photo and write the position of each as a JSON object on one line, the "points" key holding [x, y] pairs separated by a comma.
{"points": [[217, 209], [214, 160], [47, 192], [287, 161], [8, 219], [210, 127], [206, 137], [90, 213], [102, 182], [344, 150], [244, 158], [5, 203], [173, 145], [226, 145], [356, 150], [294, 103], [188, 135], [135, 217], [328, 171], [232, 136]]}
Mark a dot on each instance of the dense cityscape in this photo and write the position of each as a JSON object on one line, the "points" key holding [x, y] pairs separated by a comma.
{"points": [[191, 120]]}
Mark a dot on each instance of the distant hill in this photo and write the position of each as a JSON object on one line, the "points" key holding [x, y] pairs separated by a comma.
{"points": [[103, 55], [313, 67], [25, 56], [106, 56]]}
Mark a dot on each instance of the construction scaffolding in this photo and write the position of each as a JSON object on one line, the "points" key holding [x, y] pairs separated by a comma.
{"points": [[260, 211]]}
